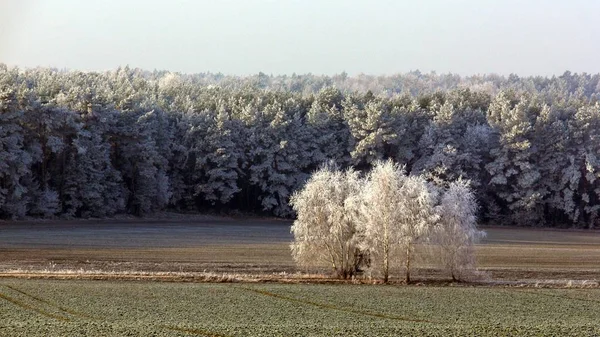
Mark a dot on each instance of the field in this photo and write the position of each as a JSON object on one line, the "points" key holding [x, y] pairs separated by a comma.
{"points": [[109, 308], [536, 282], [257, 246]]}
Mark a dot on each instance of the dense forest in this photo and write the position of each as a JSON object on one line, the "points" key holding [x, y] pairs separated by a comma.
{"points": [[93, 144]]}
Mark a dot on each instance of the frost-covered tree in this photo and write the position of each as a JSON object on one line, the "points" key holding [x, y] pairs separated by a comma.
{"points": [[376, 128], [214, 155], [513, 167], [279, 153], [48, 131], [223, 158], [551, 139], [141, 162], [396, 212], [380, 224], [456, 231], [325, 231], [453, 144], [329, 129], [15, 161], [93, 186], [192, 141], [580, 179]]}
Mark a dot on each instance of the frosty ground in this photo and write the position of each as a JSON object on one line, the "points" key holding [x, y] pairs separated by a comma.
{"points": [[116, 308], [536, 282], [255, 246]]}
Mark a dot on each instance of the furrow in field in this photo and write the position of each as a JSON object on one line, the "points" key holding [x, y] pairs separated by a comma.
{"points": [[195, 331], [32, 308], [333, 307], [61, 308]]}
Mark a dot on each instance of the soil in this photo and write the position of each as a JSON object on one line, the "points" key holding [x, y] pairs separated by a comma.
{"points": [[191, 247]]}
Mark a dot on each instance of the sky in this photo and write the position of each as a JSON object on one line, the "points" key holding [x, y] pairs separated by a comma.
{"points": [[241, 37]]}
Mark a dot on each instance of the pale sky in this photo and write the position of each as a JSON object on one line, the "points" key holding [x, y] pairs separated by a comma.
{"points": [[526, 37]]}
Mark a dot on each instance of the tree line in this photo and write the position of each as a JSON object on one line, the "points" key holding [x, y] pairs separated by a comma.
{"points": [[93, 144]]}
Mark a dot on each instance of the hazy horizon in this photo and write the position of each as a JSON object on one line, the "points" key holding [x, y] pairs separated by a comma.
{"points": [[244, 37]]}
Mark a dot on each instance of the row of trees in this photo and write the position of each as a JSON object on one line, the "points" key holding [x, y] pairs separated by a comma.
{"points": [[349, 222], [95, 144]]}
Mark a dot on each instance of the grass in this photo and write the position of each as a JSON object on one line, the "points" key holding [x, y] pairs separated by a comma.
{"points": [[114, 308]]}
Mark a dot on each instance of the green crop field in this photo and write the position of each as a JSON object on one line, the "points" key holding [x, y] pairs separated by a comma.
{"points": [[110, 308]]}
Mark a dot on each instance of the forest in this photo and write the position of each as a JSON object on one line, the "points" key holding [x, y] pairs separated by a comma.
{"points": [[96, 144]]}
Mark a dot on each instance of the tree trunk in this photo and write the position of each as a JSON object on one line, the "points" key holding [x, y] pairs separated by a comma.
{"points": [[386, 256], [407, 279], [386, 264]]}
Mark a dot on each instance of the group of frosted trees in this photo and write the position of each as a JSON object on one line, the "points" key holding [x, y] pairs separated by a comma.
{"points": [[93, 144], [349, 222]]}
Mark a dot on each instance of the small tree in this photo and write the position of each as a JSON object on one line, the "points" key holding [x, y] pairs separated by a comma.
{"points": [[457, 233], [418, 217], [397, 211], [325, 229], [379, 225]]}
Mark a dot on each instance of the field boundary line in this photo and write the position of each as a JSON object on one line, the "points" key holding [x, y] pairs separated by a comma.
{"points": [[333, 307], [533, 292], [195, 331], [32, 308], [63, 309]]}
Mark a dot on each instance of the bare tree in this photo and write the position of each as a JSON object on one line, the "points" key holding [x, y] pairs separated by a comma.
{"points": [[397, 211], [417, 217], [379, 212], [456, 232], [325, 229]]}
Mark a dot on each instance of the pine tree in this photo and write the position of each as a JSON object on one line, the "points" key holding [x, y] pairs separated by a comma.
{"points": [[582, 177], [513, 170], [15, 161], [329, 129], [140, 161], [376, 129], [216, 156]]}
